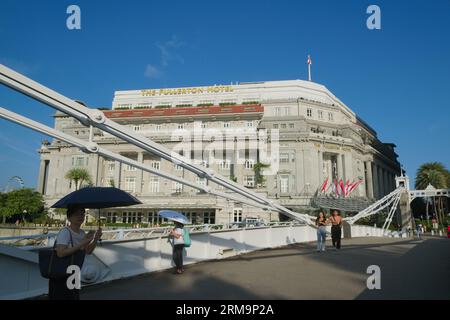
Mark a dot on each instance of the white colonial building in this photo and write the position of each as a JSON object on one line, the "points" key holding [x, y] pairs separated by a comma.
{"points": [[306, 133]]}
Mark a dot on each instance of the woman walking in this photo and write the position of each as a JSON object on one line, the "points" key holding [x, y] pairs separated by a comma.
{"points": [[70, 240], [336, 223], [321, 223], [178, 245]]}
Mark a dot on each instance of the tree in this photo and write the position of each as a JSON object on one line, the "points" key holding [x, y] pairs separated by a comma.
{"points": [[2, 206], [25, 204], [78, 176], [436, 174], [258, 168]]}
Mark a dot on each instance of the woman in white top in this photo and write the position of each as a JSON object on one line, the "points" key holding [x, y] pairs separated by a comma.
{"points": [[178, 245], [69, 240]]}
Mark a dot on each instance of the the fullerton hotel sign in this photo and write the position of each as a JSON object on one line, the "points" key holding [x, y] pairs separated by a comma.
{"points": [[180, 91]]}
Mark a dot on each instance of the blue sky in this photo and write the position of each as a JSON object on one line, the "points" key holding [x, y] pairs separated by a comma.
{"points": [[397, 78]]}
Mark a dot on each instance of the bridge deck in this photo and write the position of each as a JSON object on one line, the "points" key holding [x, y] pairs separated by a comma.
{"points": [[410, 269]]}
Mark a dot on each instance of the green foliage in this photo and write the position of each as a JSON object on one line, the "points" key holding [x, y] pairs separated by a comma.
{"points": [[183, 105], [251, 102], [205, 104], [434, 173], [25, 204], [163, 106], [78, 176], [258, 168], [224, 104]]}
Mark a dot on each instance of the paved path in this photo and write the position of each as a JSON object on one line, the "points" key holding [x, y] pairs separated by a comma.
{"points": [[410, 269]]}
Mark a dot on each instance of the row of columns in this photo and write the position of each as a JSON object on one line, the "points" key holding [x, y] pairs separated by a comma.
{"points": [[379, 180]]}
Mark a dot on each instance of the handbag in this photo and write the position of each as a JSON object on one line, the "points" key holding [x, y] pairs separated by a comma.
{"points": [[53, 267], [186, 238]]}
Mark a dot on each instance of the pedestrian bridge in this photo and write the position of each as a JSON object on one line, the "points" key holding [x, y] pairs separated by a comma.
{"points": [[132, 252]]}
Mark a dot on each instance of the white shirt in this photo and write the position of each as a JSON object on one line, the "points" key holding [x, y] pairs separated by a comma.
{"points": [[180, 240], [63, 237]]}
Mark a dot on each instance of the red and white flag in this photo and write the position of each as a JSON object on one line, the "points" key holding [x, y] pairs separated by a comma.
{"points": [[324, 186], [309, 60]]}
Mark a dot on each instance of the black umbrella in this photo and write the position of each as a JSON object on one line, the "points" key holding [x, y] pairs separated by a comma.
{"points": [[97, 198]]}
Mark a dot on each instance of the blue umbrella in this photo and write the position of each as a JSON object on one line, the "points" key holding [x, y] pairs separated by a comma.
{"points": [[97, 198], [174, 216]]}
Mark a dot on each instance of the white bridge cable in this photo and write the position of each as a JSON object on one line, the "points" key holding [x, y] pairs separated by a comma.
{"points": [[93, 148], [376, 207], [96, 118]]}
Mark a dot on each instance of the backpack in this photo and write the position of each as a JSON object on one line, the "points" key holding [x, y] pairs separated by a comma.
{"points": [[186, 238]]}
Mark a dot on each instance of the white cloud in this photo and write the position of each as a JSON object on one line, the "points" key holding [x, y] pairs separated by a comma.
{"points": [[168, 51], [152, 72]]}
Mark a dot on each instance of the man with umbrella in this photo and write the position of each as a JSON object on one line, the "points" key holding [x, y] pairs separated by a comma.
{"points": [[72, 239]]}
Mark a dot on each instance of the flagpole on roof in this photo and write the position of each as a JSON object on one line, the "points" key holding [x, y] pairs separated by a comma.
{"points": [[309, 67]]}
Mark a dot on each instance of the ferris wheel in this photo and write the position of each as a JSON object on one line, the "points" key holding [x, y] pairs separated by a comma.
{"points": [[13, 183]]}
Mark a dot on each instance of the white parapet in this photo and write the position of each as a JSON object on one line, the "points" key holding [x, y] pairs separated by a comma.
{"points": [[131, 255]]}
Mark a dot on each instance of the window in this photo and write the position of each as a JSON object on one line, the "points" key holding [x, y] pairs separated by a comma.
{"points": [[249, 181], [178, 168], [226, 124], [320, 114], [154, 184], [330, 116], [108, 182], [136, 128], [286, 111], [111, 166], [284, 157], [204, 125], [209, 218], [275, 126], [201, 181], [250, 124], [80, 161], [204, 163], [249, 164], [158, 127], [237, 215], [224, 164], [156, 165], [278, 111], [177, 187], [283, 126], [284, 184], [130, 168], [130, 184], [180, 126], [291, 126], [309, 112]]}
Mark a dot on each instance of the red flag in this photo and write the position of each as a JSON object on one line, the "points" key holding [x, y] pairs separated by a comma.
{"points": [[324, 186], [309, 60], [355, 185], [341, 184]]}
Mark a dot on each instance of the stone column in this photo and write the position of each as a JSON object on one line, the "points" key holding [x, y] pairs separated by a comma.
{"points": [[340, 173], [369, 178], [376, 188], [321, 177], [117, 174], [139, 181], [41, 179]]}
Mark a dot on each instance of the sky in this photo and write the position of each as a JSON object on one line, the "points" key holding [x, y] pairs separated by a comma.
{"points": [[396, 78]]}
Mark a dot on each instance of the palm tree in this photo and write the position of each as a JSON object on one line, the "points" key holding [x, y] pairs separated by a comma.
{"points": [[78, 175], [436, 174]]}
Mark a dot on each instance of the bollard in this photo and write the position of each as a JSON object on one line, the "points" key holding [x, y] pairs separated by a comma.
{"points": [[432, 232], [440, 233]]}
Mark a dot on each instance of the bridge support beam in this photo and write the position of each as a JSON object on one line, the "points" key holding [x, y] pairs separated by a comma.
{"points": [[406, 220]]}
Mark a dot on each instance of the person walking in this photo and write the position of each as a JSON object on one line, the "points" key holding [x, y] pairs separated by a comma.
{"points": [[71, 239], [336, 231], [178, 245], [321, 223]]}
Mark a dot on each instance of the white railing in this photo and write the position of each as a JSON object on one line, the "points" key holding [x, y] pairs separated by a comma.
{"points": [[133, 252]]}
